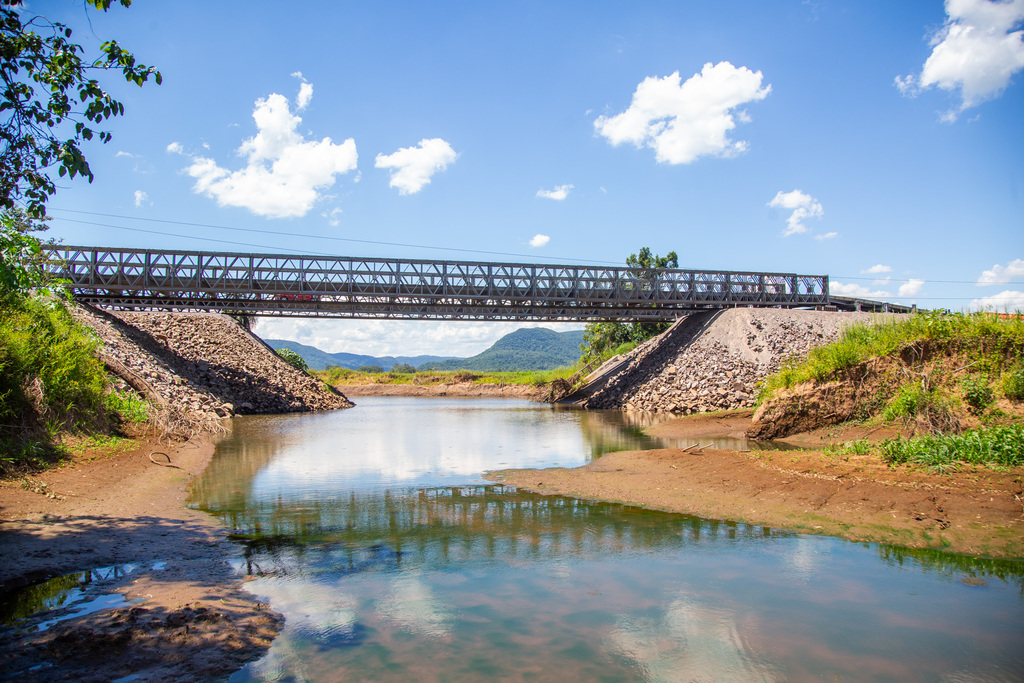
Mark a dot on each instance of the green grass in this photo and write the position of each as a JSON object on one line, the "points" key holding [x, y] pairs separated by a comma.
{"points": [[1002, 445], [50, 381], [131, 407], [990, 338]]}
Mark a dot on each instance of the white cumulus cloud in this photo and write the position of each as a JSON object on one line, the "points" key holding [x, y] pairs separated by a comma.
{"points": [[976, 52], [877, 269], [284, 173], [1000, 275], [684, 121], [802, 205], [539, 240], [412, 167], [910, 288], [141, 198], [856, 291], [1009, 301], [175, 148], [826, 236], [559, 193]]}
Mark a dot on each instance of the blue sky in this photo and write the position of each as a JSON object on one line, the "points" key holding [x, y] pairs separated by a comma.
{"points": [[879, 143]]}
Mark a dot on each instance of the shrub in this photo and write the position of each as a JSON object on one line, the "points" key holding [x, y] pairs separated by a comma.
{"points": [[928, 409], [977, 392], [293, 359], [1013, 383], [906, 404], [404, 369]]}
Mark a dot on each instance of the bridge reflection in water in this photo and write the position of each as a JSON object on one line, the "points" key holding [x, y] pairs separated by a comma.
{"points": [[449, 525]]}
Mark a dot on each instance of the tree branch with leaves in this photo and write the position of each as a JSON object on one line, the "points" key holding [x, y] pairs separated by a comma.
{"points": [[50, 102]]}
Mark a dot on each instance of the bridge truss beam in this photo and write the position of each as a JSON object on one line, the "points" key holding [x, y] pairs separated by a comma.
{"points": [[349, 287]]}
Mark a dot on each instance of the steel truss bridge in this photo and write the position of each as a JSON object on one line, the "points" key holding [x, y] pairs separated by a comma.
{"points": [[350, 287]]}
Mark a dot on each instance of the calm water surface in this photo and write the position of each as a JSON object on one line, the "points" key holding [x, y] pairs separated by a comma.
{"points": [[373, 532]]}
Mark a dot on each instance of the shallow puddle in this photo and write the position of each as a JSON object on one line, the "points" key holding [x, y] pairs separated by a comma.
{"points": [[45, 604]]}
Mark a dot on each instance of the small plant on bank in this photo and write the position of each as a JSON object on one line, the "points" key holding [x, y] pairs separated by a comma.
{"points": [[927, 409], [1013, 383], [1003, 446], [293, 359], [132, 408], [977, 392]]}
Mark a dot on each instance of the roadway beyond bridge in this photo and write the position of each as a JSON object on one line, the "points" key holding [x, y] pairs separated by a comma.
{"points": [[351, 287]]}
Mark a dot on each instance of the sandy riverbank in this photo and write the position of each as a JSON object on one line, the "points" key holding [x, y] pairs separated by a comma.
{"points": [[978, 511], [192, 620]]}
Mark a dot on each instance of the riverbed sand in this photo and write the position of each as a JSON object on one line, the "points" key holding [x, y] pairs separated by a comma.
{"points": [[977, 510], [190, 619]]}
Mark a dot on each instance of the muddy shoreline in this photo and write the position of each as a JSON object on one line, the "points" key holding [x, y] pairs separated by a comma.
{"points": [[189, 617], [977, 511]]}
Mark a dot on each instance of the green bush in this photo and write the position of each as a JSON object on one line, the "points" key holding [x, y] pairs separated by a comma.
{"points": [[404, 369], [1013, 383], [293, 359], [977, 392], [906, 404]]}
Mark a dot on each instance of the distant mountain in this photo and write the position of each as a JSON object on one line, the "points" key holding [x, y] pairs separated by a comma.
{"points": [[321, 360], [534, 348]]}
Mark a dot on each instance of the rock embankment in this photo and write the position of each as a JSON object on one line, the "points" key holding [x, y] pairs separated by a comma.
{"points": [[200, 367], [711, 360]]}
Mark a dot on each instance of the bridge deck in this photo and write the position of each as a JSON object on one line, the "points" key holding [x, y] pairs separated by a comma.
{"points": [[348, 287]]}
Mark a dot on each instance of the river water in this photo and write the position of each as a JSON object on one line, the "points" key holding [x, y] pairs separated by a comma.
{"points": [[392, 559]]}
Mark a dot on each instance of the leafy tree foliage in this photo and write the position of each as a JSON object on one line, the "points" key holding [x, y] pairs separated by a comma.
{"points": [[293, 359], [404, 369], [600, 338], [370, 369], [49, 102], [21, 255], [651, 262]]}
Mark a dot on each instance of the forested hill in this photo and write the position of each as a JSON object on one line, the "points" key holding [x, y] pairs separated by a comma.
{"points": [[321, 360], [534, 348]]}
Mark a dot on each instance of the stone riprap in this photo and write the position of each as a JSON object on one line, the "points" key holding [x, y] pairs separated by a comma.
{"points": [[710, 360], [201, 367]]}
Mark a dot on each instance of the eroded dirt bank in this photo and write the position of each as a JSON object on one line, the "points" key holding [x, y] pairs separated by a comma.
{"points": [[977, 511], [192, 620]]}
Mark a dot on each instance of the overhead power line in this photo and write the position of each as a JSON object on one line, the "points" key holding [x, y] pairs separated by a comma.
{"points": [[293, 235], [280, 233]]}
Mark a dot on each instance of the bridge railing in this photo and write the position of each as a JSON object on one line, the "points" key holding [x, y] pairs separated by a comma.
{"points": [[267, 284]]}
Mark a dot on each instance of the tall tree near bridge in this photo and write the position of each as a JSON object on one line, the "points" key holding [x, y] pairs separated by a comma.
{"points": [[49, 102], [600, 338]]}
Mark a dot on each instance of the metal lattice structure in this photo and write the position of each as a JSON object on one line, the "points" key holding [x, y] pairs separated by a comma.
{"points": [[350, 287]]}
